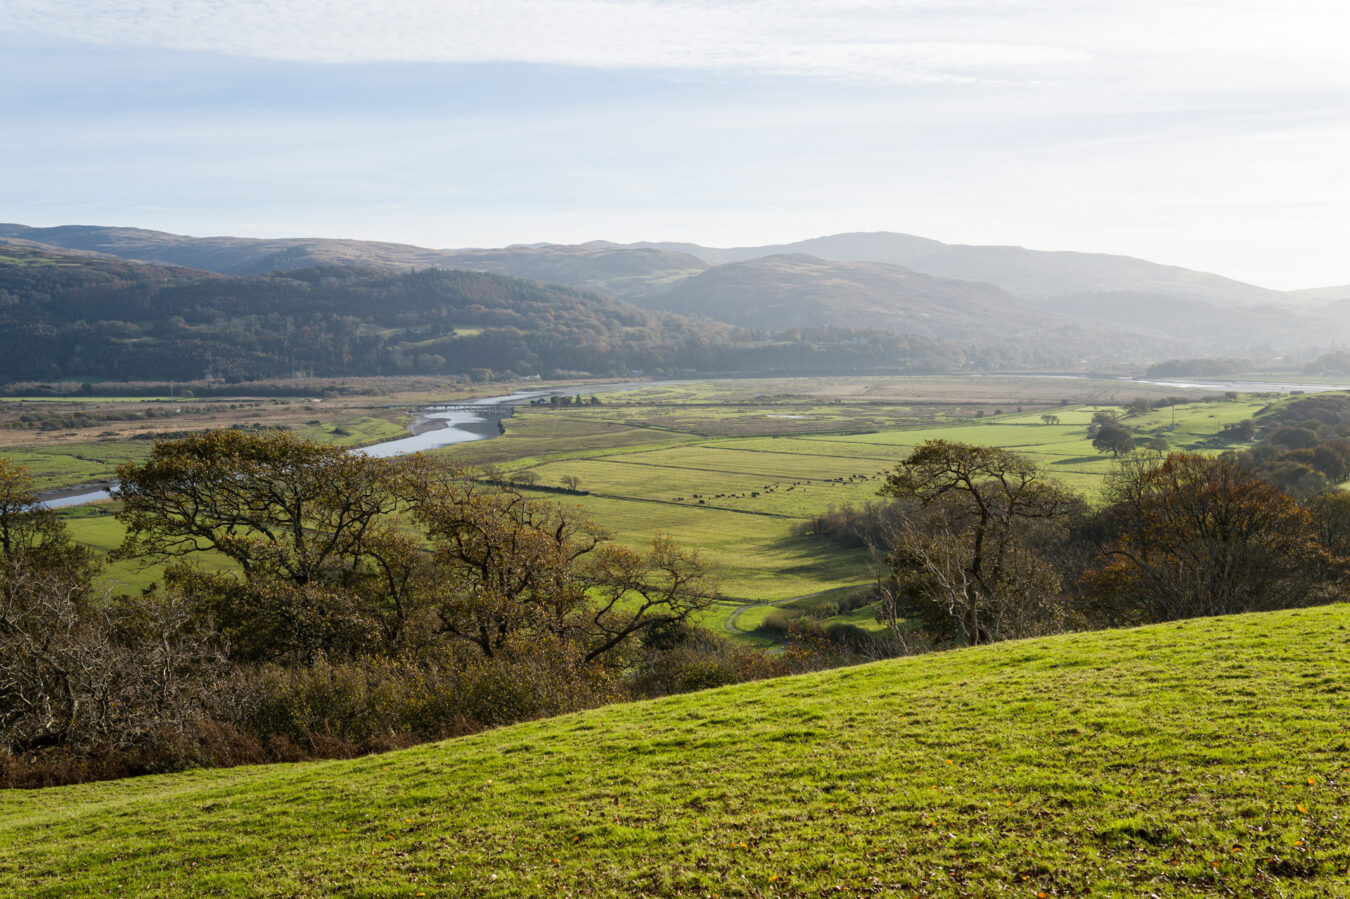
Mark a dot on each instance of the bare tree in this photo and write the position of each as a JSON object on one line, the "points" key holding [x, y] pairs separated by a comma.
{"points": [[635, 591], [75, 673], [966, 556]]}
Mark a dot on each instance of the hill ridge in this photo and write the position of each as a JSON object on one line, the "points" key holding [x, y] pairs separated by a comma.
{"points": [[1112, 307]]}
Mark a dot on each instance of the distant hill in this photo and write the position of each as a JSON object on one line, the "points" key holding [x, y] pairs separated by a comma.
{"points": [[68, 316], [1157, 308], [1115, 308], [626, 272], [618, 271], [1032, 275], [1338, 311], [800, 291], [873, 246], [1323, 294], [226, 255], [1196, 758], [643, 268]]}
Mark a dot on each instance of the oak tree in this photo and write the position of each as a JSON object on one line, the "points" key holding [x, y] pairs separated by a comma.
{"points": [[1192, 535], [968, 556]]}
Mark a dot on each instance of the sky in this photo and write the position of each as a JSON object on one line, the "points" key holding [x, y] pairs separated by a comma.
{"points": [[1210, 135]]}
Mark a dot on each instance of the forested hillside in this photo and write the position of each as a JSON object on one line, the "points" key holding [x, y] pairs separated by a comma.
{"points": [[1105, 308], [88, 318], [79, 317], [68, 317]]}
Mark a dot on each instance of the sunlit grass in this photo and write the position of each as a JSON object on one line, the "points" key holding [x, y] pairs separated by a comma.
{"points": [[1194, 759]]}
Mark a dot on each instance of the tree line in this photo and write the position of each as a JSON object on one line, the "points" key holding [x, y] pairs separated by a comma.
{"points": [[977, 544], [317, 602]]}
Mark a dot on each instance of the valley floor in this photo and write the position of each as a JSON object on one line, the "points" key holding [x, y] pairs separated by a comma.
{"points": [[729, 468]]}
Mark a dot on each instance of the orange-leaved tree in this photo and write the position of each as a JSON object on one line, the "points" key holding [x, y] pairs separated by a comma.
{"points": [[1190, 535]]}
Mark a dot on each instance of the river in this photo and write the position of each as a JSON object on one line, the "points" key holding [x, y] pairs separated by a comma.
{"points": [[464, 426], [458, 427]]}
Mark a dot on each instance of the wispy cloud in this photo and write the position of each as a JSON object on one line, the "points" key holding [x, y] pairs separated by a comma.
{"points": [[1176, 44], [857, 39]]}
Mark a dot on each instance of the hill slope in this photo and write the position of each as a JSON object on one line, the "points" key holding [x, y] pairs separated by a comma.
{"points": [[620, 271], [85, 317], [802, 291], [629, 270], [1322, 294], [227, 255], [74, 316], [1207, 757], [1032, 275], [1128, 309], [1173, 309]]}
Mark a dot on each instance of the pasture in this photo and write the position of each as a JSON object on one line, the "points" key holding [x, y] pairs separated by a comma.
{"points": [[1199, 758], [66, 441], [728, 468]]}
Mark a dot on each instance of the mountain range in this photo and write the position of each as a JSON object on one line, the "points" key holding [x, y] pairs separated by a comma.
{"points": [[91, 317], [1127, 308]]}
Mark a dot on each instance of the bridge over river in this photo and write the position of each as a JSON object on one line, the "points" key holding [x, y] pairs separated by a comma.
{"points": [[486, 410]]}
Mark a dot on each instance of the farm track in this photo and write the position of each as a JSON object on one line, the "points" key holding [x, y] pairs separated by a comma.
{"points": [[731, 627]]}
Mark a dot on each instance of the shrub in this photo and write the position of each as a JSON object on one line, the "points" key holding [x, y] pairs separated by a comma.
{"points": [[697, 659]]}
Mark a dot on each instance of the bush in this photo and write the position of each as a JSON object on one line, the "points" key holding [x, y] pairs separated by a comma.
{"points": [[697, 659], [354, 701]]}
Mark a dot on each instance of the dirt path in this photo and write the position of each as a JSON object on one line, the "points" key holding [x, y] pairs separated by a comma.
{"points": [[731, 627]]}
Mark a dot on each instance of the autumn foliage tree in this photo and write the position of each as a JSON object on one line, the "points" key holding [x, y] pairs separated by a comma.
{"points": [[314, 530], [345, 555], [32, 538], [276, 504], [1190, 535]]}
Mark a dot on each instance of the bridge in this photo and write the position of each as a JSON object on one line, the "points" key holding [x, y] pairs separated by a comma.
{"points": [[500, 410]]}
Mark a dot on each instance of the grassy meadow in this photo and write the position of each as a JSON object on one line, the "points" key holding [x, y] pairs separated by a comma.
{"points": [[1200, 758], [725, 467], [66, 441], [728, 468]]}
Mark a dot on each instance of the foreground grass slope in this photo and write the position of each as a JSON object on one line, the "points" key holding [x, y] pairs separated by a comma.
{"points": [[1205, 757]]}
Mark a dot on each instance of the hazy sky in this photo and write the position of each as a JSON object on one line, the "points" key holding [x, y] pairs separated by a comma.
{"points": [[1212, 135]]}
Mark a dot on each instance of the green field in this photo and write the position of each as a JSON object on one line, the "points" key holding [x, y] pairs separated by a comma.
{"points": [[1202, 758], [65, 463], [729, 467], [95, 527], [659, 459]]}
